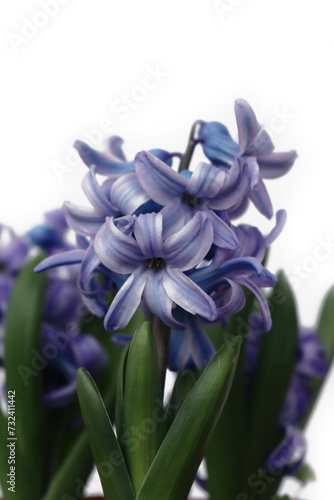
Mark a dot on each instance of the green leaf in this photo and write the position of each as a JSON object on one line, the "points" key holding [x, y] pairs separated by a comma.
{"points": [[272, 375], [182, 386], [144, 426], [73, 472], [174, 468], [326, 324], [108, 457], [305, 474], [326, 334], [225, 452], [24, 367]]}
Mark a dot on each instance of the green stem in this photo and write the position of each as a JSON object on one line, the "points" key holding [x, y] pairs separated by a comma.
{"points": [[161, 334], [192, 142]]}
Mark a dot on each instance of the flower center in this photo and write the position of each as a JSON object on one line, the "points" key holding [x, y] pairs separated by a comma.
{"points": [[156, 263], [191, 200]]}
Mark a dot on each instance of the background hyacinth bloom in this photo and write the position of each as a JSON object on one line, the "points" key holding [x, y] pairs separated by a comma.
{"points": [[62, 307], [288, 456], [183, 197], [156, 266]]}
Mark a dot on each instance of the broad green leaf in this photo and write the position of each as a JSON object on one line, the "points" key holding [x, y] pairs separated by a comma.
{"points": [[144, 427], [175, 465], [272, 375], [24, 366], [108, 457], [225, 452]]}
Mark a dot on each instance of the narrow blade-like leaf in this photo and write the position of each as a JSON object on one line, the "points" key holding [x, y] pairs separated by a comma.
{"points": [[174, 468], [108, 457], [144, 418]]}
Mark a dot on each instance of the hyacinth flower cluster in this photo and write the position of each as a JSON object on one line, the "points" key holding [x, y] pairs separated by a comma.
{"points": [[311, 364], [165, 240], [63, 348]]}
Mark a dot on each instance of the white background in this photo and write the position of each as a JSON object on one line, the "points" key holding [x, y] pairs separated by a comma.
{"points": [[70, 75]]}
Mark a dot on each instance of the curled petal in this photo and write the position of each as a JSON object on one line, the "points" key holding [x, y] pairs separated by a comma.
{"points": [[248, 126], [94, 296], [116, 250], [247, 282], [89, 263], [84, 221], [261, 200], [217, 143], [127, 194], [186, 248], [115, 147], [229, 299], [223, 235], [95, 194], [206, 181], [60, 259], [185, 293], [148, 233], [235, 187], [106, 164], [281, 216], [158, 301], [161, 182], [276, 164], [126, 301]]}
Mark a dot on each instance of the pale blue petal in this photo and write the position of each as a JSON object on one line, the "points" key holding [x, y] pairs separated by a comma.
{"points": [[158, 301], [60, 259], [127, 194], [173, 218], [95, 194], [148, 233], [261, 200], [276, 164], [84, 221], [206, 181], [223, 235], [160, 181], [186, 248], [126, 301], [185, 293], [281, 217], [247, 123], [117, 251], [89, 263]]}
